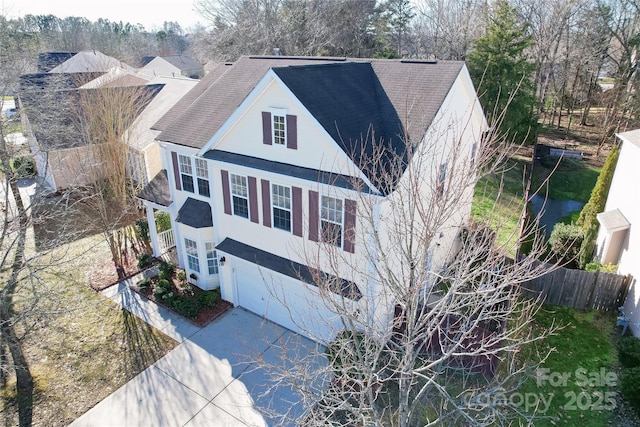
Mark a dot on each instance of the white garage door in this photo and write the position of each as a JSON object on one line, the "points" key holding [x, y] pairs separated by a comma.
{"points": [[284, 300]]}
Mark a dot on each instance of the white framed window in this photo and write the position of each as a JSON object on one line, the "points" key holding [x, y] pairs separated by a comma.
{"points": [[202, 174], [239, 195], [278, 126], [281, 206], [331, 220], [191, 249], [186, 173], [212, 258]]}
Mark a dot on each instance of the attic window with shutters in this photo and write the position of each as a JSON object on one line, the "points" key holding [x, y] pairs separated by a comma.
{"points": [[279, 128]]}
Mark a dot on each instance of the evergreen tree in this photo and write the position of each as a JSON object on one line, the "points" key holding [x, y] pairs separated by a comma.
{"points": [[502, 74], [588, 216]]}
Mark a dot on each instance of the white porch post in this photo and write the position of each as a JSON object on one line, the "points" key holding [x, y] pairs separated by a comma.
{"points": [[153, 232]]}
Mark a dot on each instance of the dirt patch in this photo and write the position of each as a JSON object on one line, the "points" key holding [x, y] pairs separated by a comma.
{"points": [[104, 274]]}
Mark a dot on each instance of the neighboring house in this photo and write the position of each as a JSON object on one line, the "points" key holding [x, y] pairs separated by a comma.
{"points": [[87, 62], [618, 241], [49, 60], [144, 155], [262, 165], [173, 65], [63, 157]]}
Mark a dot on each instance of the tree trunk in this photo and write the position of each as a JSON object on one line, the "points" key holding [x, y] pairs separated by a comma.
{"points": [[24, 379]]}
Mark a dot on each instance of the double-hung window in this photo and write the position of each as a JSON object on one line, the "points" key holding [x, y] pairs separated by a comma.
{"points": [[279, 129], [186, 173], [239, 195], [331, 220], [281, 206], [202, 173], [212, 258], [191, 248]]}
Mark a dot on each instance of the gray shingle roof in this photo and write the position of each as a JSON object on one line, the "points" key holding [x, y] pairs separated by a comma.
{"points": [[183, 62], [349, 97], [176, 113], [290, 268], [195, 213], [157, 190]]}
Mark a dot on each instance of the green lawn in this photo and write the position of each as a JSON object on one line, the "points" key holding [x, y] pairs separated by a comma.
{"points": [[499, 199], [572, 179], [579, 377]]}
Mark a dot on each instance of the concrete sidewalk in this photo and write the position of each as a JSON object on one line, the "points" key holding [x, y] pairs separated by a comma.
{"points": [[210, 379]]}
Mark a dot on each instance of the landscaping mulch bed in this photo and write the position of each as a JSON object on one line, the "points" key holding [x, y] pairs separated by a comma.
{"points": [[205, 315]]}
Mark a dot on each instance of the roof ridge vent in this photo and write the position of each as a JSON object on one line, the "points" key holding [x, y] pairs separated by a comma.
{"points": [[419, 61], [301, 58]]}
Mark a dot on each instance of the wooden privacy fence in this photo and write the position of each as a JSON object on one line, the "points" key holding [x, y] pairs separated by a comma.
{"points": [[579, 289]]}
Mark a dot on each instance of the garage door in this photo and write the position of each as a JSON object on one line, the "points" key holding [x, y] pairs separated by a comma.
{"points": [[283, 300]]}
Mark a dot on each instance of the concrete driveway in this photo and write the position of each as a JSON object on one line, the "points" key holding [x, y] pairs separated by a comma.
{"points": [[210, 379]]}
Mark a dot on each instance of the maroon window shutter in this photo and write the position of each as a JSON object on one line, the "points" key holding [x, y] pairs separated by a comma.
{"points": [[266, 128], [349, 225], [292, 132], [253, 199], [266, 203], [314, 215], [176, 170], [296, 201], [226, 195]]}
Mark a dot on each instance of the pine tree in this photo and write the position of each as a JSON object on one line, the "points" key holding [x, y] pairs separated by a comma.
{"points": [[502, 73]]}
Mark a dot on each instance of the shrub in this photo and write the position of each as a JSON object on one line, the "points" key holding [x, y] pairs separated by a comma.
{"points": [[565, 242], [629, 352], [143, 284], [163, 221], [188, 307], [630, 387], [168, 298], [181, 275], [24, 166], [186, 288], [158, 292], [167, 267], [594, 206], [209, 298], [144, 260], [164, 284], [596, 265], [162, 275]]}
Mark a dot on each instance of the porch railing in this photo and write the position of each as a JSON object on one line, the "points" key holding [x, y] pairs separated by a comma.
{"points": [[166, 241]]}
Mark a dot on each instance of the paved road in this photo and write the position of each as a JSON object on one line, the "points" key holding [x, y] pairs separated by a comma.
{"points": [[210, 379]]}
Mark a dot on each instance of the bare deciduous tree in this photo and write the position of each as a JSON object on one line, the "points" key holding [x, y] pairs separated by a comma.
{"points": [[106, 118], [438, 330]]}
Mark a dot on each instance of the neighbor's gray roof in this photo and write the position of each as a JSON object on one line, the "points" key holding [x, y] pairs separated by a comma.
{"points": [[157, 190], [183, 62]]}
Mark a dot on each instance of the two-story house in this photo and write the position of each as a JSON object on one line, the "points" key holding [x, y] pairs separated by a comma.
{"points": [[271, 159]]}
